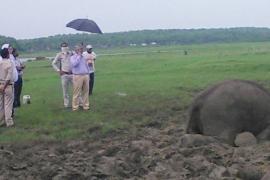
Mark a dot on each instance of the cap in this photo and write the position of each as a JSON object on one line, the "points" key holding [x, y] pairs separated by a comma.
{"points": [[89, 46], [64, 44], [5, 46]]}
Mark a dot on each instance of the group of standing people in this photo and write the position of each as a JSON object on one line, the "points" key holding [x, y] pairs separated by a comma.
{"points": [[76, 70], [11, 71]]}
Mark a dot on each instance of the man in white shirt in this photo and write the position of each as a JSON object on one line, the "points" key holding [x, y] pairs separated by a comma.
{"points": [[90, 56], [19, 83], [61, 64]]}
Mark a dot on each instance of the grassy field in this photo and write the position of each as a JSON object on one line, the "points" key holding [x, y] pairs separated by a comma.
{"points": [[133, 90]]}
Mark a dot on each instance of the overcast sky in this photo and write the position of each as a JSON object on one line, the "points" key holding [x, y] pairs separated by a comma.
{"points": [[41, 18]]}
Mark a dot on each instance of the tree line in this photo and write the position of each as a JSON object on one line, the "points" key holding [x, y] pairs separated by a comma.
{"points": [[144, 37], [10, 40]]}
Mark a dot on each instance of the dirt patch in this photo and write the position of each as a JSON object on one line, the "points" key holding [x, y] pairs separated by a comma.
{"points": [[150, 153]]}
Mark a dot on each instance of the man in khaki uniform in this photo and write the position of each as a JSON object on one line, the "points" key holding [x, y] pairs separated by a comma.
{"points": [[6, 89], [61, 64]]}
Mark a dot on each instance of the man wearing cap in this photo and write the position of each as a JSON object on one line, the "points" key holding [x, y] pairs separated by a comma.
{"points": [[90, 56], [15, 75], [14, 72], [19, 83], [61, 64], [6, 89], [80, 70]]}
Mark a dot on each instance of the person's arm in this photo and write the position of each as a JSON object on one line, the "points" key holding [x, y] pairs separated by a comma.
{"points": [[3, 87], [14, 72], [94, 55], [57, 60], [55, 63], [90, 59], [93, 64], [19, 65], [75, 60], [22, 65], [94, 59]]}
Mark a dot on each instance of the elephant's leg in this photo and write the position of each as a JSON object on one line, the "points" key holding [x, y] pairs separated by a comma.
{"points": [[228, 135]]}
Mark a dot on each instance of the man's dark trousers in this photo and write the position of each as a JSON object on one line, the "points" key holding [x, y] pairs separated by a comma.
{"points": [[91, 82], [17, 92]]}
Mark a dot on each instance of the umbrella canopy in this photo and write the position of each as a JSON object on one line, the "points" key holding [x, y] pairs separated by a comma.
{"points": [[86, 25]]}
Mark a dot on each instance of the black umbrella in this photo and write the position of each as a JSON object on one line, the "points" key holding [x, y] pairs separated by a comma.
{"points": [[86, 25]]}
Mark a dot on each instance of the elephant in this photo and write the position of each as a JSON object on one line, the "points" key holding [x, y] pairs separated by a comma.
{"points": [[229, 108]]}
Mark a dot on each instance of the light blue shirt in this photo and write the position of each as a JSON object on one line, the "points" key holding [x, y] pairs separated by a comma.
{"points": [[79, 65]]}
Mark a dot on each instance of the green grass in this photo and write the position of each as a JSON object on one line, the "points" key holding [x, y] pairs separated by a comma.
{"points": [[155, 83]]}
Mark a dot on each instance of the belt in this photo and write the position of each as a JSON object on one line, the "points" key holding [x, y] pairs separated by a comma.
{"points": [[68, 73], [81, 74], [8, 84]]}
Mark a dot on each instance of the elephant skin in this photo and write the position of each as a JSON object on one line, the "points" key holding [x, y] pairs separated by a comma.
{"points": [[229, 108]]}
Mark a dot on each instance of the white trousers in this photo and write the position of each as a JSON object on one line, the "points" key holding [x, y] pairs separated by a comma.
{"points": [[66, 81]]}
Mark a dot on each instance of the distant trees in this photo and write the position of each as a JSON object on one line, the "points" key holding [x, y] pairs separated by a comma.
{"points": [[9, 40], [160, 37]]}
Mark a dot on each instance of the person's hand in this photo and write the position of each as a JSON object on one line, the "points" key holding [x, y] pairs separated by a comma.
{"points": [[2, 88], [61, 73], [79, 56], [79, 53], [89, 61], [19, 68]]}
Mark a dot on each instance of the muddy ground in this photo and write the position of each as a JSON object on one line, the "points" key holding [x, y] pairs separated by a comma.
{"points": [[151, 152]]}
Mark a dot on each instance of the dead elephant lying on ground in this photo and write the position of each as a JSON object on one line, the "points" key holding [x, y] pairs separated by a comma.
{"points": [[229, 108]]}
